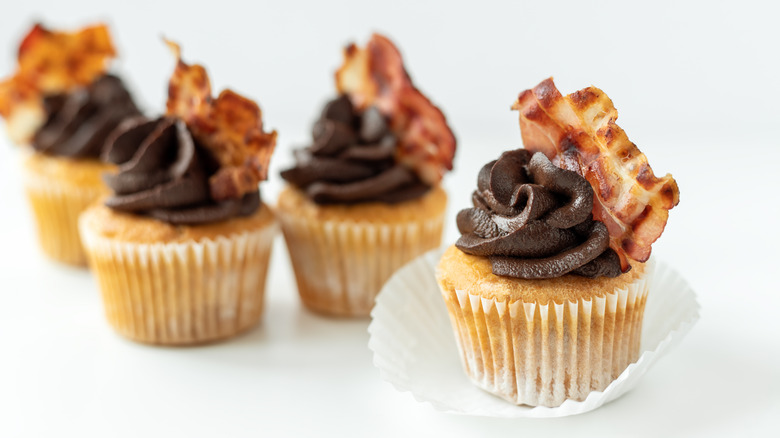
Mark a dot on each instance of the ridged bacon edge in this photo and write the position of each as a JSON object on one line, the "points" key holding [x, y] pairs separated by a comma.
{"points": [[578, 132], [230, 126], [375, 75]]}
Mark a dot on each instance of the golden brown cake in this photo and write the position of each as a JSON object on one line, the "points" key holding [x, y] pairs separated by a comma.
{"points": [[540, 342], [365, 198], [547, 285], [179, 284], [58, 190], [343, 254], [181, 247], [63, 104], [474, 273]]}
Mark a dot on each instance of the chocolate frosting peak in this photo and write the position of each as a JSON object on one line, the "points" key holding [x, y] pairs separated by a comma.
{"points": [[164, 174], [352, 159], [533, 220], [79, 122]]}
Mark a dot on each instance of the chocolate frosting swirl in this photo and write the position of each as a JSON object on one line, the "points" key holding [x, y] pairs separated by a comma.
{"points": [[533, 220], [352, 160], [78, 123], [164, 173]]}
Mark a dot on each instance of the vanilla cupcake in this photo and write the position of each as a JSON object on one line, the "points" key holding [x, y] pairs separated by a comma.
{"points": [[181, 248], [62, 105], [365, 197], [546, 287]]}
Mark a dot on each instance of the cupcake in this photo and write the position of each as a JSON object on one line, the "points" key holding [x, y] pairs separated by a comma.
{"points": [[180, 248], [546, 287], [61, 104], [365, 197]]}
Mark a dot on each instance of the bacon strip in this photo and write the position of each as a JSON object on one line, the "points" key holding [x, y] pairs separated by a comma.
{"points": [[578, 132], [51, 62], [230, 126], [375, 75]]}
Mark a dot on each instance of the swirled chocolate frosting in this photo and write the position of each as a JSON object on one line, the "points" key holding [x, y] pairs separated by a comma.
{"points": [[352, 160], [164, 173], [78, 123], [533, 220]]}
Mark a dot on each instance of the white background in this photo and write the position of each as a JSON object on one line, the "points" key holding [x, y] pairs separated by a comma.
{"points": [[696, 84]]}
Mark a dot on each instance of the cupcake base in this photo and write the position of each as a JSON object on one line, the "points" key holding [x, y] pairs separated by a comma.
{"points": [[537, 342], [343, 254], [179, 285], [58, 190]]}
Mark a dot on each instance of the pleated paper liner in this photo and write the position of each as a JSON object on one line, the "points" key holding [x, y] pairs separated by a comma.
{"points": [[535, 354], [341, 265], [415, 349], [57, 202], [182, 293]]}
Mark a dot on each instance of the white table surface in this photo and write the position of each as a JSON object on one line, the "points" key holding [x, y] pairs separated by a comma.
{"points": [[64, 372]]}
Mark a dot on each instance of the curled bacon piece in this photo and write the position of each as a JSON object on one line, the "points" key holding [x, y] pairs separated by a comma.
{"points": [[51, 62], [230, 126], [375, 75], [578, 132]]}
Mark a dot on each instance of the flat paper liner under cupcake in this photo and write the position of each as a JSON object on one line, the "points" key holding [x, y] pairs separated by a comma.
{"points": [[340, 267], [535, 354], [415, 348], [182, 293], [56, 208]]}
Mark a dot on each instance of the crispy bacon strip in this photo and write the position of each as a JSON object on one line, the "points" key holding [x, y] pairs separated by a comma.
{"points": [[51, 62], [578, 132], [375, 75], [22, 107], [230, 126]]}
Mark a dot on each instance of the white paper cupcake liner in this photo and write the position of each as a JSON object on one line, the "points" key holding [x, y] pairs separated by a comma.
{"points": [[340, 266], [182, 293], [542, 354], [56, 207], [415, 350]]}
